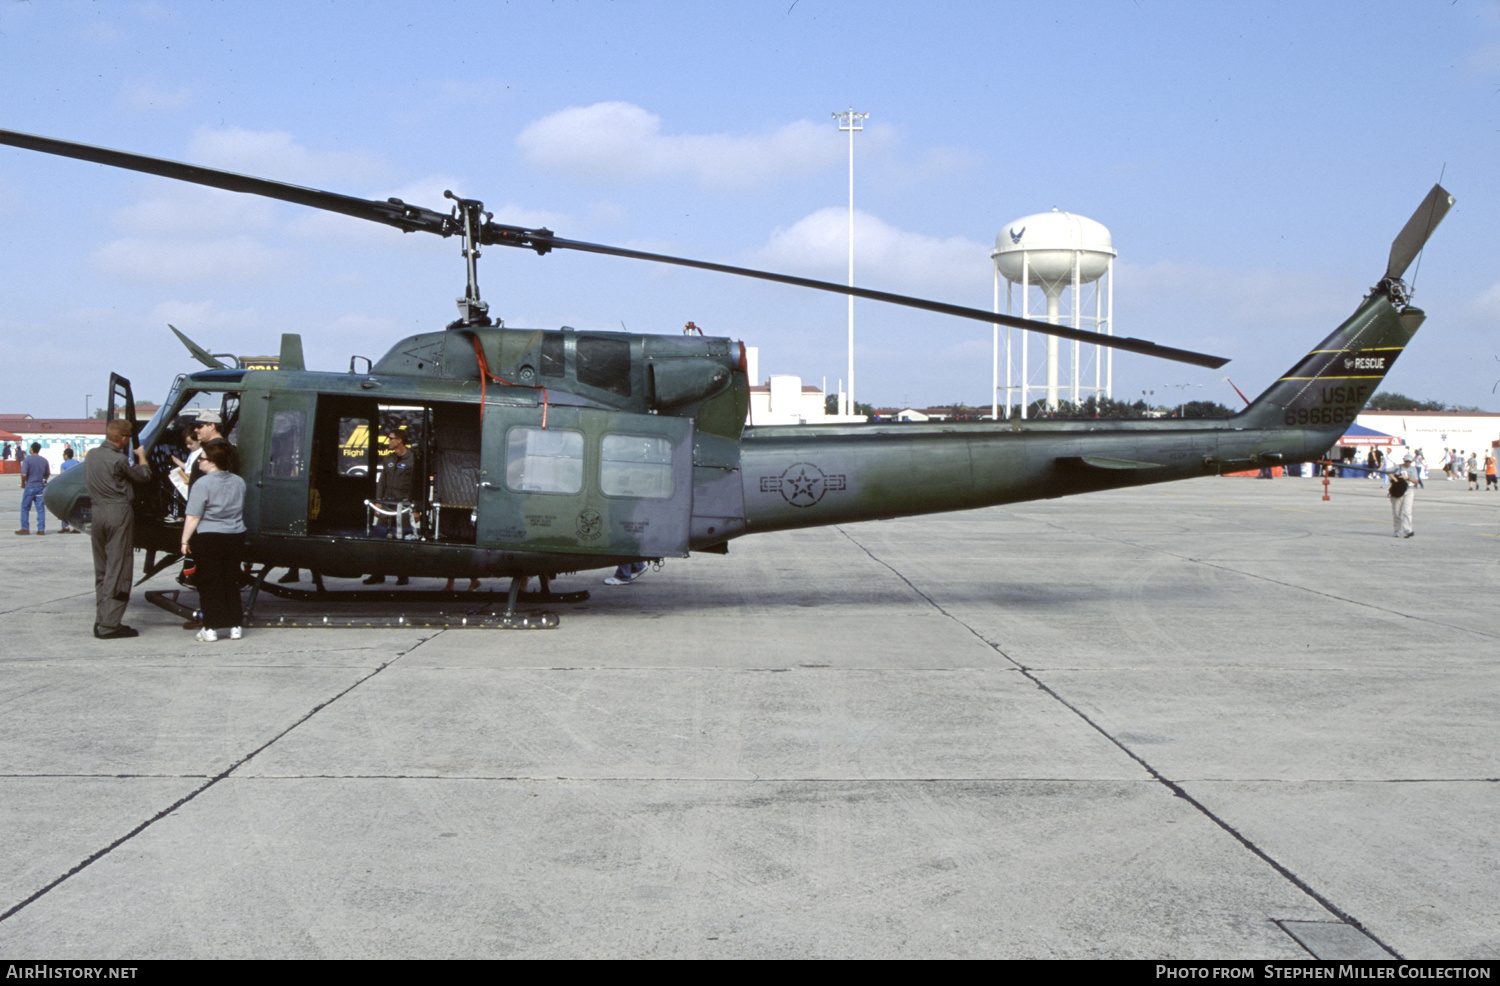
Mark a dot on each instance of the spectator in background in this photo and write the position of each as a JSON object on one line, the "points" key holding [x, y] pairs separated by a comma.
{"points": [[68, 462], [1402, 492], [35, 471]]}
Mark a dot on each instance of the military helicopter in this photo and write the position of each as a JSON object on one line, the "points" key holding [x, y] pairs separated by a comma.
{"points": [[550, 451]]}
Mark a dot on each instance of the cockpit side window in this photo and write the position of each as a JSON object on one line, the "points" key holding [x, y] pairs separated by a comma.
{"points": [[604, 363], [553, 361]]}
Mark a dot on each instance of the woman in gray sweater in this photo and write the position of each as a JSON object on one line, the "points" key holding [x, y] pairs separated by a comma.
{"points": [[215, 533]]}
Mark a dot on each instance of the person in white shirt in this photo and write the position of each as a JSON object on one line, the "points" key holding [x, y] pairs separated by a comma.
{"points": [[1402, 491]]}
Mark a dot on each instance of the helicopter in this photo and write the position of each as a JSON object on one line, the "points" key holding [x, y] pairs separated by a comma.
{"points": [[552, 451]]}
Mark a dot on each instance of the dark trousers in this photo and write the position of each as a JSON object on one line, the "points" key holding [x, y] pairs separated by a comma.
{"points": [[218, 559]]}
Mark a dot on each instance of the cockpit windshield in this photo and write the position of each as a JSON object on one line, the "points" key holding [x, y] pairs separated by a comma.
{"points": [[167, 412]]}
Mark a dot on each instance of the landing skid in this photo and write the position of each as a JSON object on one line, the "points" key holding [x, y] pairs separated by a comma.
{"points": [[472, 616]]}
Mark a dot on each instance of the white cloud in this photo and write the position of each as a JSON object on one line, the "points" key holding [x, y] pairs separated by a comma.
{"points": [[364, 328], [196, 211], [935, 165], [1485, 304], [1484, 59], [277, 156], [149, 96], [209, 326], [235, 258], [103, 32], [621, 141], [903, 261]]}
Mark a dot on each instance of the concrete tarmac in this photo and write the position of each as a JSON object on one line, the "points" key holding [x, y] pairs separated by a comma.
{"points": [[1215, 719]]}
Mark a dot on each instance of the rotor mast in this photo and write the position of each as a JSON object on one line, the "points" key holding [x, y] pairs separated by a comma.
{"points": [[472, 313]]}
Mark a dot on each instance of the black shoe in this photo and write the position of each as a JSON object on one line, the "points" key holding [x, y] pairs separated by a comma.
{"points": [[374, 580], [401, 580], [117, 633]]}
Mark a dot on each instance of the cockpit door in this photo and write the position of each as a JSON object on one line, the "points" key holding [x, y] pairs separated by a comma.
{"points": [[591, 482], [122, 404]]}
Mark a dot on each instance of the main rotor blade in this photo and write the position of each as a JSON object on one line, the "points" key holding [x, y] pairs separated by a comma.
{"points": [[392, 212], [1126, 343], [409, 218], [1418, 228]]}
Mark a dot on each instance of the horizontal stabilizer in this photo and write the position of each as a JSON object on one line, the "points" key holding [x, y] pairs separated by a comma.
{"points": [[1104, 462]]}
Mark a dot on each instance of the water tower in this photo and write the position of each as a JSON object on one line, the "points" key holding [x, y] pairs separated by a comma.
{"points": [[1055, 251]]}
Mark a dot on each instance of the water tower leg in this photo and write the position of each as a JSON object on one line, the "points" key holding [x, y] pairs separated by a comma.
{"points": [[1052, 352]]}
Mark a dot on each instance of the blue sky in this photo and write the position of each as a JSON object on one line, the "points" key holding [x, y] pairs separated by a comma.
{"points": [[1252, 161]]}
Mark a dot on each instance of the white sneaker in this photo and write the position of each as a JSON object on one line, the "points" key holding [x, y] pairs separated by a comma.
{"points": [[235, 633], [208, 636]]}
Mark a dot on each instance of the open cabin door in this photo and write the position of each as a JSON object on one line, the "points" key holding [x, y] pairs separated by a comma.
{"points": [[591, 482], [275, 435]]}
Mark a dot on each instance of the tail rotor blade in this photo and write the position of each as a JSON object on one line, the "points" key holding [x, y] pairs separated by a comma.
{"points": [[1413, 237]]}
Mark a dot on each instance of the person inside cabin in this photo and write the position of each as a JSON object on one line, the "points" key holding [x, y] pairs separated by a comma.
{"points": [[182, 471], [395, 487], [210, 431]]}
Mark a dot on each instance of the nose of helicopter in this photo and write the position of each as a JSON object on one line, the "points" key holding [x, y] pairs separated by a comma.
{"points": [[67, 497]]}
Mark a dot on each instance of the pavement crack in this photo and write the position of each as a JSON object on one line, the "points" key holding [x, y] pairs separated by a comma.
{"points": [[930, 601], [1171, 785], [100, 854], [1272, 581]]}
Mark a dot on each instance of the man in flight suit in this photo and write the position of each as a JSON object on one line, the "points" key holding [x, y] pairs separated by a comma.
{"points": [[397, 480], [108, 473]]}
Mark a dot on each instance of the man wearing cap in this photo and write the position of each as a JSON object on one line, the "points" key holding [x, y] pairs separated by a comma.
{"points": [[1402, 491], [209, 429], [109, 475]]}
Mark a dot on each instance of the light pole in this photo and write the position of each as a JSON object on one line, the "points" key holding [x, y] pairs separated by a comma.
{"points": [[86, 399], [851, 122], [1181, 393]]}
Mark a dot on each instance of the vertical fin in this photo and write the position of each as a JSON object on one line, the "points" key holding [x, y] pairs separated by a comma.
{"points": [[1329, 386], [291, 352]]}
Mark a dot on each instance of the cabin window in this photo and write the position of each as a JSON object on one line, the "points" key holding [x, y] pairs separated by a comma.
{"points": [[287, 428], [604, 363], [635, 465], [538, 461]]}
